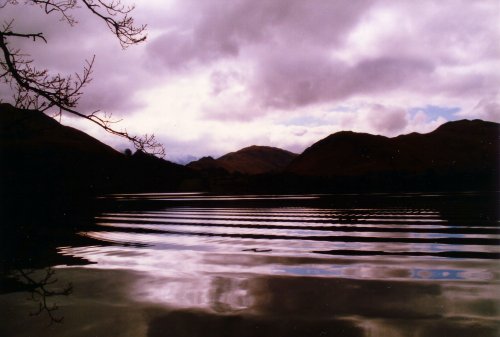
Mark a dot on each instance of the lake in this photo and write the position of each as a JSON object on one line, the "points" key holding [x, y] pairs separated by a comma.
{"points": [[194, 264]]}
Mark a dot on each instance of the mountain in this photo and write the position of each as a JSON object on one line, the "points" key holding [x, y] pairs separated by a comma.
{"points": [[460, 148], [249, 160], [40, 156], [46, 163], [31, 130]]}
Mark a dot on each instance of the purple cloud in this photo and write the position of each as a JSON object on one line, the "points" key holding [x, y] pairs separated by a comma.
{"points": [[221, 29], [260, 61], [290, 48], [488, 108], [387, 120], [288, 83]]}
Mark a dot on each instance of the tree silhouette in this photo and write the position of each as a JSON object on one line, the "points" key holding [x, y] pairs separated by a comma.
{"points": [[38, 89]]}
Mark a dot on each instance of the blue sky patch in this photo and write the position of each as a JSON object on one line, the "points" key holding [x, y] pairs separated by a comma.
{"points": [[434, 112]]}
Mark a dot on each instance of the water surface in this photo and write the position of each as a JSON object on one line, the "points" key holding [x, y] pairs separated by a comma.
{"points": [[294, 265]]}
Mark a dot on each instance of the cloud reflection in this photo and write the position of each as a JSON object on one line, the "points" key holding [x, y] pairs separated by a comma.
{"points": [[227, 270]]}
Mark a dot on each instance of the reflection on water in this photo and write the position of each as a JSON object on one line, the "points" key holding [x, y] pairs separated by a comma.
{"points": [[315, 265], [43, 291]]}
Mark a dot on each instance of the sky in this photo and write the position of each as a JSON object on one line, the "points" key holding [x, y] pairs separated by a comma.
{"points": [[216, 76]]}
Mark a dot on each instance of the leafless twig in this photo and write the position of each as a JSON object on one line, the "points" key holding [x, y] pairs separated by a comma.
{"points": [[37, 89]]}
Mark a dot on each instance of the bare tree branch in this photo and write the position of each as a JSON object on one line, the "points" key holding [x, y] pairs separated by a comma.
{"points": [[37, 89], [114, 13]]}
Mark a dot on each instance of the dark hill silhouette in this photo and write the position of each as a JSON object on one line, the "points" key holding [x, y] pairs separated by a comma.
{"points": [[249, 160], [34, 131], [41, 156], [461, 146], [207, 164], [43, 159], [460, 155]]}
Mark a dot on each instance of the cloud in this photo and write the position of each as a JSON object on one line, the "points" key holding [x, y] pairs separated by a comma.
{"points": [[207, 31], [387, 120], [238, 72], [487, 108], [117, 75], [299, 131], [309, 79], [306, 53], [376, 119]]}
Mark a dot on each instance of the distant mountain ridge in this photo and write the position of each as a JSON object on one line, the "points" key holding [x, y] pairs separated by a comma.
{"points": [[40, 157], [249, 160], [466, 146], [39, 154]]}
